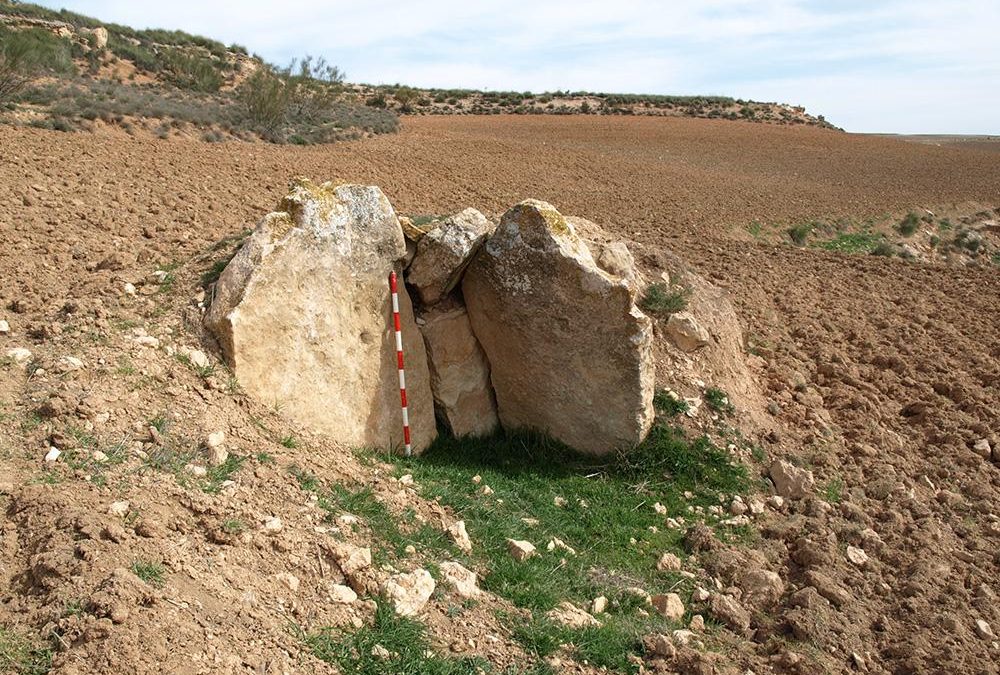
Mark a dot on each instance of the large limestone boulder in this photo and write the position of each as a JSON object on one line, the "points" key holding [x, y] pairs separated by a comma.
{"points": [[444, 252], [569, 352], [303, 315], [460, 375]]}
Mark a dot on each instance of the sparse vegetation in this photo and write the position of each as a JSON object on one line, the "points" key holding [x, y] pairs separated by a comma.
{"points": [[392, 644], [909, 224], [852, 242], [21, 655], [884, 249], [662, 300], [718, 401], [152, 572], [668, 404], [833, 491], [799, 234]]}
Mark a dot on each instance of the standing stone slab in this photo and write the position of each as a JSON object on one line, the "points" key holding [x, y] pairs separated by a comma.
{"points": [[569, 352], [303, 315], [444, 252], [460, 375]]}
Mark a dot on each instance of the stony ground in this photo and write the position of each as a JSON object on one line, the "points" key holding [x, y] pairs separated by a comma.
{"points": [[881, 375]]}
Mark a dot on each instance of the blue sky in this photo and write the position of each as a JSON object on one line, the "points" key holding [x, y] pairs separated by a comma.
{"points": [[905, 66]]}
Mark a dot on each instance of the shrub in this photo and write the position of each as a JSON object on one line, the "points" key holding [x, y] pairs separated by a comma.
{"points": [[800, 233], [908, 226], [27, 53], [405, 96], [884, 249], [663, 301], [266, 99], [196, 73]]}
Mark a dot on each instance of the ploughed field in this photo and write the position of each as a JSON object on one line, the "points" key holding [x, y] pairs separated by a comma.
{"points": [[901, 358]]}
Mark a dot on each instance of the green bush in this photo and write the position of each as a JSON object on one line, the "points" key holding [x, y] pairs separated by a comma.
{"points": [[266, 99], [800, 233], [908, 226], [661, 300], [25, 54], [197, 73]]}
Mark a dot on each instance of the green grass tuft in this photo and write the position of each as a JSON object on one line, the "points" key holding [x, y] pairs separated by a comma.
{"points": [[20, 655], [662, 301], [855, 242], [669, 406], [718, 401], [153, 573]]}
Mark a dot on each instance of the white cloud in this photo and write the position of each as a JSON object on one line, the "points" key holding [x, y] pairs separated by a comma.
{"points": [[855, 61]]}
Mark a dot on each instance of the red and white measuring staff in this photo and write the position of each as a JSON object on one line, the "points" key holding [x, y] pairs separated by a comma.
{"points": [[399, 362]]}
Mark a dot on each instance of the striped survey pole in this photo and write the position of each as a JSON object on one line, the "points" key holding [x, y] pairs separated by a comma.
{"points": [[399, 362]]}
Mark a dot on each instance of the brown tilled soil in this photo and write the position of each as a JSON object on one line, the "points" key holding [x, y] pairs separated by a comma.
{"points": [[882, 374]]}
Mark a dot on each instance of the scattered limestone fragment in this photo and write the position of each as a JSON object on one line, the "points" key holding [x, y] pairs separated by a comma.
{"points": [[857, 556], [790, 481], [119, 509], [460, 536], [984, 630], [556, 543], [571, 616], [300, 313], [19, 355], [527, 293], [409, 592], [53, 454], [340, 594], [686, 333], [272, 525], [668, 605], [729, 611], [521, 550], [461, 579], [215, 445], [444, 252], [668, 562]]}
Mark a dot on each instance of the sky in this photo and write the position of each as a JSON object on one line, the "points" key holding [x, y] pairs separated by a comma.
{"points": [[899, 66]]}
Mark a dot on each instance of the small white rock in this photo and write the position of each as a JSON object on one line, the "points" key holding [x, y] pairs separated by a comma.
{"points": [[776, 502], [129, 288], [119, 509], [215, 439], [4, 327], [857, 556], [147, 341], [559, 501], [272, 524], [53, 454], [19, 355], [460, 536], [683, 637], [697, 623], [340, 594], [669, 605], [461, 579], [555, 543], [195, 470], [99, 456], [599, 605], [699, 594], [406, 480], [487, 490], [984, 630], [660, 509]]}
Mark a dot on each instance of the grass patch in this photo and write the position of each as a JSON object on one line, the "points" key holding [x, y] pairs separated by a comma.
{"points": [[662, 300], [833, 491], [289, 442], [853, 242], [153, 573], [718, 401], [392, 532], [404, 641], [668, 404], [20, 655], [604, 509]]}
